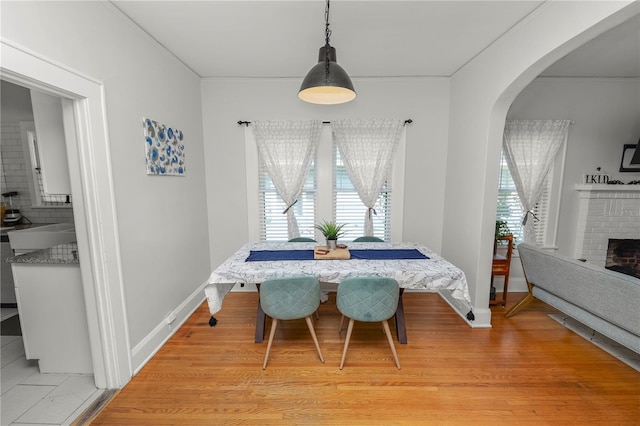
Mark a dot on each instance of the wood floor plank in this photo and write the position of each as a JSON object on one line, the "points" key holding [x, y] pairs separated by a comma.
{"points": [[527, 369]]}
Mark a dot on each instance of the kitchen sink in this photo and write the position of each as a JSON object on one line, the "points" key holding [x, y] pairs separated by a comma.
{"points": [[41, 237]]}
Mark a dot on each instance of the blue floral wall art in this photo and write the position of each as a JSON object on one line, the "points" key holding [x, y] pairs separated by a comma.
{"points": [[165, 149]]}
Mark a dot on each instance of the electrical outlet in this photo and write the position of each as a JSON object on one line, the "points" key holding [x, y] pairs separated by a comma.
{"points": [[171, 317]]}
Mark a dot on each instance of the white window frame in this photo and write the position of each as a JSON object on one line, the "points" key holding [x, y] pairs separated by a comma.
{"points": [[324, 184]]}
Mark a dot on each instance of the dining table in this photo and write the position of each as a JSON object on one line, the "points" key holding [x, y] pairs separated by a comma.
{"points": [[412, 265]]}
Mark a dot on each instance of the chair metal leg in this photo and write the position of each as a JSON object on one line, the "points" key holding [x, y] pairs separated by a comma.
{"points": [[346, 342], [522, 303], [274, 324], [313, 335], [387, 331]]}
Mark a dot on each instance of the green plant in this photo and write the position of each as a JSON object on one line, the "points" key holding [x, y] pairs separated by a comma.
{"points": [[330, 230], [502, 228]]}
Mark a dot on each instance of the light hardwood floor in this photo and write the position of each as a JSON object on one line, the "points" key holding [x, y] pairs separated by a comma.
{"points": [[527, 370]]}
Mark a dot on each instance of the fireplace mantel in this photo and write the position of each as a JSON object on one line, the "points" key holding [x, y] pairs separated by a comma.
{"points": [[608, 188]]}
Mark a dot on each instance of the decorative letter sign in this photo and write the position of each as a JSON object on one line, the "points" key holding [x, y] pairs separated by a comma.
{"points": [[600, 177]]}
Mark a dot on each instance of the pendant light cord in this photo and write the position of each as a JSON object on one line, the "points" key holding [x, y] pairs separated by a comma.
{"points": [[327, 36], [327, 31]]}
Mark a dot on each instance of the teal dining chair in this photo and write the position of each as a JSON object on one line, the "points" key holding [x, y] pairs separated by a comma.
{"points": [[288, 299], [310, 240], [368, 239], [302, 240], [368, 299]]}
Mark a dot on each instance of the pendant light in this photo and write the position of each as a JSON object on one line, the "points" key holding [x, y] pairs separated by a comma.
{"points": [[327, 83]]}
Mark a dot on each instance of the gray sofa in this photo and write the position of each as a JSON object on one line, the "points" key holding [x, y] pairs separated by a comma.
{"points": [[606, 301]]}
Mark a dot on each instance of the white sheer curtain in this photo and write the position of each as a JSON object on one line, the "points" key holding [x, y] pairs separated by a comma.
{"points": [[530, 147], [286, 149], [367, 148]]}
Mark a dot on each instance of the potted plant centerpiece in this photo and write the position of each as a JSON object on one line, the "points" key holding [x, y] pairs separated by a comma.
{"points": [[331, 231]]}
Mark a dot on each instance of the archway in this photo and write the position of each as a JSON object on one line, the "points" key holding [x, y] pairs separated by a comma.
{"points": [[481, 94]]}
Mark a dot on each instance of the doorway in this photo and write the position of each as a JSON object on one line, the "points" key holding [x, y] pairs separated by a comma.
{"points": [[94, 205]]}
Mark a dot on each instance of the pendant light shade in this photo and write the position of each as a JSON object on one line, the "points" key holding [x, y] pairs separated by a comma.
{"points": [[327, 83]]}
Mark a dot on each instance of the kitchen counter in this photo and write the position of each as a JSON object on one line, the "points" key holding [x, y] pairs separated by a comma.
{"points": [[3, 231], [60, 254]]}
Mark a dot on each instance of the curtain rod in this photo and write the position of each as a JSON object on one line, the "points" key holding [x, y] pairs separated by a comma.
{"points": [[246, 123]]}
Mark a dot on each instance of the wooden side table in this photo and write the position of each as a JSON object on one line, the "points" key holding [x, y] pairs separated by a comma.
{"points": [[501, 266]]}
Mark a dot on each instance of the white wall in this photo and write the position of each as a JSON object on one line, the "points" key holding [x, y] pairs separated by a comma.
{"points": [[606, 116], [453, 146], [481, 93], [225, 101], [162, 221]]}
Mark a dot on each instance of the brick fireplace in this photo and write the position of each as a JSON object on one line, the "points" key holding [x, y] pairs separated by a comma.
{"points": [[606, 212]]}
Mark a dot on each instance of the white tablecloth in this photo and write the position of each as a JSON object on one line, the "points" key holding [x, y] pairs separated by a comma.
{"points": [[431, 274]]}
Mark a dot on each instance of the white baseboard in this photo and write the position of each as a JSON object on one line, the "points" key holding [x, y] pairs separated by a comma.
{"points": [[151, 344], [482, 317], [516, 284]]}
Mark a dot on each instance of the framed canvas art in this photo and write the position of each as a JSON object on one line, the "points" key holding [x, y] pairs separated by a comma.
{"points": [[164, 147], [626, 164]]}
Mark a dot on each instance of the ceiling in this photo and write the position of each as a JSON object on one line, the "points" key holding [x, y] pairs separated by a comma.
{"points": [[372, 38]]}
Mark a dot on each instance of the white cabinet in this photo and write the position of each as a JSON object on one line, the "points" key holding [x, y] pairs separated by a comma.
{"points": [[51, 142], [53, 317]]}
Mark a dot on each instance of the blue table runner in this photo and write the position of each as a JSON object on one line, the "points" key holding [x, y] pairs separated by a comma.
{"points": [[364, 254]]}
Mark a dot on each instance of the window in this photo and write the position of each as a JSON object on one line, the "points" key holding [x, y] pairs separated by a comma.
{"points": [[351, 210], [510, 209], [328, 194], [273, 223]]}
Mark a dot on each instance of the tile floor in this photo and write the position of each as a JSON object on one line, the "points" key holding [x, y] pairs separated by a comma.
{"points": [[29, 397]]}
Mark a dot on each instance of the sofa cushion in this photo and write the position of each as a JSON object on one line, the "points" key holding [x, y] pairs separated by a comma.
{"points": [[610, 295]]}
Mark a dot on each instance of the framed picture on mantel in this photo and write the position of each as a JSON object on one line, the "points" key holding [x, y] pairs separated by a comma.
{"points": [[626, 164]]}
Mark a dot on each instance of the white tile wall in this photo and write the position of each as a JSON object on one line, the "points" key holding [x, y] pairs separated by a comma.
{"points": [[14, 178], [606, 212]]}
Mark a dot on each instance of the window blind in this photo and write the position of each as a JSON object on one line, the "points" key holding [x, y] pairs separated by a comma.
{"points": [[273, 223], [350, 210], [346, 204], [510, 210]]}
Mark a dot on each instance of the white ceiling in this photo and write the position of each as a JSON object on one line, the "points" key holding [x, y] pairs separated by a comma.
{"points": [[615, 53], [372, 38]]}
